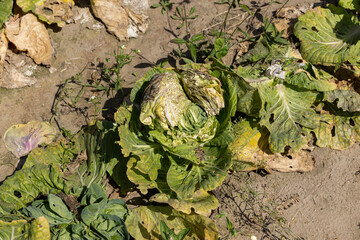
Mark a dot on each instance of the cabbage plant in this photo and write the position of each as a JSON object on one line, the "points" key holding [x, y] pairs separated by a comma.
{"points": [[293, 102], [177, 133]]}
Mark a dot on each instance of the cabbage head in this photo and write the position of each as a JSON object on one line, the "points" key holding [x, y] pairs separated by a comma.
{"points": [[166, 106], [178, 129]]}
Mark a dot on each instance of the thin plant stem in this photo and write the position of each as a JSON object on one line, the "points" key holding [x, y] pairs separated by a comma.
{"points": [[226, 17]]}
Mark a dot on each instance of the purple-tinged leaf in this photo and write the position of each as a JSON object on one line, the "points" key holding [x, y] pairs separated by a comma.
{"points": [[21, 139]]}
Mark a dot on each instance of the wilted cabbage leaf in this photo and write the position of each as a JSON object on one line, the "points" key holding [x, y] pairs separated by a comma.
{"points": [[144, 223], [57, 154], [346, 100], [185, 177], [338, 131], [286, 110], [201, 202], [118, 19], [307, 101], [250, 151], [305, 75], [27, 184], [132, 141], [30, 35], [350, 4], [329, 36], [23, 229], [49, 11], [290, 113], [339, 119], [23, 138], [17, 229], [204, 90], [143, 180]]}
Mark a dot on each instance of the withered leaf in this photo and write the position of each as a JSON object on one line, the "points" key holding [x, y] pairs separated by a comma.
{"points": [[30, 35]]}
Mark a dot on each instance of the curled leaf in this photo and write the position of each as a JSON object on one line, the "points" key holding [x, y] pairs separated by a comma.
{"points": [[350, 4], [12, 78], [204, 90], [49, 11], [202, 202], [30, 35], [345, 100], [144, 223], [22, 138], [328, 36], [338, 131], [22, 229], [119, 20], [285, 112], [250, 152]]}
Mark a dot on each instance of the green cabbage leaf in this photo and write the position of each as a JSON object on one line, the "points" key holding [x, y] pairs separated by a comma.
{"points": [[350, 4], [19, 228], [329, 36], [100, 218], [144, 223], [6, 7]]}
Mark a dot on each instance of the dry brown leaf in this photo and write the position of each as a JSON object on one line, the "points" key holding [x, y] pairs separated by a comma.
{"points": [[301, 161], [119, 20], [49, 11], [284, 24], [30, 35], [12, 78], [286, 17], [293, 12], [61, 11], [137, 6], [289, 12]]}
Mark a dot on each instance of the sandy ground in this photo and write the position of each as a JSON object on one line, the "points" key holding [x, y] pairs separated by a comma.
{"points": [[322, 204]]}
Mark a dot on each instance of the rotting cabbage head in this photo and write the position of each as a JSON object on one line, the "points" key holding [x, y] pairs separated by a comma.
{"points": [[204, 89], [184, 107]]}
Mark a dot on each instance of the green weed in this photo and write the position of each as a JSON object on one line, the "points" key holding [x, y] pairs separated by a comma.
{"points": [[79, 91], [164, 4]]}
